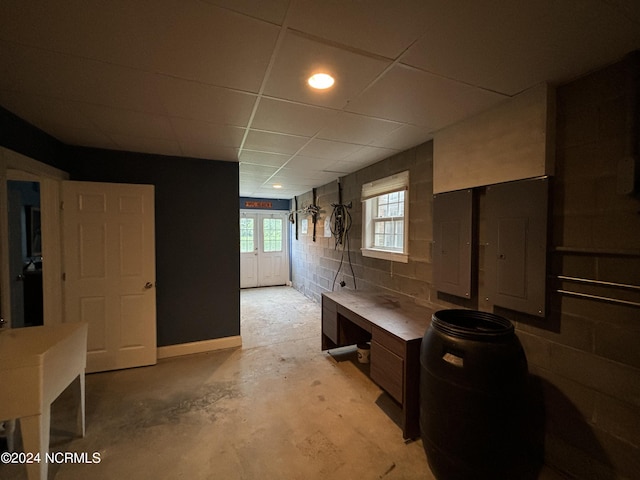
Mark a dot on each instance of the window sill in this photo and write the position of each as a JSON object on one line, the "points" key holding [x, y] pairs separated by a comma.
{"points": [[385, 255]]}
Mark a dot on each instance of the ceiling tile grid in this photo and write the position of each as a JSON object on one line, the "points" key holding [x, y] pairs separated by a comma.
{"points": [[226, 79]]}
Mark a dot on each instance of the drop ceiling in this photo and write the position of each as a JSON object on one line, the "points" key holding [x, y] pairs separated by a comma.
{"points": [[226, 79]]}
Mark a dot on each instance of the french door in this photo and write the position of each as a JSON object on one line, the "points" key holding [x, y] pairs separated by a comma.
{"points": [[264, 252]]}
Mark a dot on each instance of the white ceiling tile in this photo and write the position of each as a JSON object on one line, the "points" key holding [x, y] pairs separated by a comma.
{"points": [[300, 57], [187, 131], [209, 151], [291, 118], [48, 114], [383, 27], [202, 38], [70, 78], [248, 183], [7, 63], [192, 100], [328, 149], [300, 176], [263, 158], [121, 121], [310, 178], [405, 137], [412, 96], [352, 128], [273, 142], [305, 163], [62, 120], [629, 8], [537, 41], [257, 170], [348, 167], [471, 47], [85, 137], [268, 10], [159, 146], [202, 65], [86, 29], [300, 182], [370, 154]]}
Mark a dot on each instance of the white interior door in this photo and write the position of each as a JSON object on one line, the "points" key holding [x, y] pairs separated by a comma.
{"points": [[109, 265], [264, 253]]}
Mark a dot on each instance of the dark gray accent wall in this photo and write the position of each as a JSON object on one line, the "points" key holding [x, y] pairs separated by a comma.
{"points": [[197, 237], [197, 234], [24, 138]]}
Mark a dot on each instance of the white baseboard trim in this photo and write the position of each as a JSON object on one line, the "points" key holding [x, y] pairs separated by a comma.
{"points": [[199, 347]]}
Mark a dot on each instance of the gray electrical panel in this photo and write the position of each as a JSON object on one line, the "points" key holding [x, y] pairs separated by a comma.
{"points": [[516, 254], [452, 242]]}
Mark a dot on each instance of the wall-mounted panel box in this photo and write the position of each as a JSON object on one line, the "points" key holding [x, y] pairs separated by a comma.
{"points": [[516, 254], [452, 247]]}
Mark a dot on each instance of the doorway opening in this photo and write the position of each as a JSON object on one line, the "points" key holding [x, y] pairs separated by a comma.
{"points": [[25, 253], [264, 249]]}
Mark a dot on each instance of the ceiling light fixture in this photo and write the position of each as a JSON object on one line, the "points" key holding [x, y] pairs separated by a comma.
{"points": [[277, 185], [321, 81]]}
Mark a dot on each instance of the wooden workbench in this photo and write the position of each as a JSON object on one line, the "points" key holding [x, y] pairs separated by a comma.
{"points": [[395, 329]]}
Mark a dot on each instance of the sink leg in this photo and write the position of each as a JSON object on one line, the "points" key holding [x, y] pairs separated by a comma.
{"points": [[35, 437], [78, 391]]}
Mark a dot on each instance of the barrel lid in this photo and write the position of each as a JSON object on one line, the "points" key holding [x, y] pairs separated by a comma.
{"points": [[472, 324]]}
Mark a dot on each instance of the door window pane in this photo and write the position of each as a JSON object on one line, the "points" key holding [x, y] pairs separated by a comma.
{"points": [[246, 235], [272, 234]]}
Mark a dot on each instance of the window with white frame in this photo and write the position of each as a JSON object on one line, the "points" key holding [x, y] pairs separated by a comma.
{"points": [[385, 218]]}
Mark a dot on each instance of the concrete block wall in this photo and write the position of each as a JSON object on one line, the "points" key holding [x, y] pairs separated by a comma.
{"points": [[584, 357], [315, 264], [586, 353]]}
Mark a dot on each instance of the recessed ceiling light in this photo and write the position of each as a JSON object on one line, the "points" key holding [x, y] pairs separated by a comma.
{"points": [[277, 185], [321, 81]]}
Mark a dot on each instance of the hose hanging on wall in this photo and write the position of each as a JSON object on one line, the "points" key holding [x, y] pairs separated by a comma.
{"points": [[340, 224], [314, 213], [291, 217]]}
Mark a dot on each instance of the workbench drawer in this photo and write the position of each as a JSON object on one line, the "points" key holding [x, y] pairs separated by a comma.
{"points": [[387, 370], [388, 341]]}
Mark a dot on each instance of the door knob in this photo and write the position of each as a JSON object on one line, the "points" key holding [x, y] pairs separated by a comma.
{"points": [[148, 285]]}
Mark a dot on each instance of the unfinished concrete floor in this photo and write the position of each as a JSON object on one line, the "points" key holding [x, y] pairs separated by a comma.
{"points": [[277, 408]]}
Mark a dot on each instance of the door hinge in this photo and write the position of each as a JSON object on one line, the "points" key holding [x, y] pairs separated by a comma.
{"points": [[64, 276], [61, 205]]}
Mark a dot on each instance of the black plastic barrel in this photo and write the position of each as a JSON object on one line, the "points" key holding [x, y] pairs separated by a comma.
{"points": [[472, 384]]}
